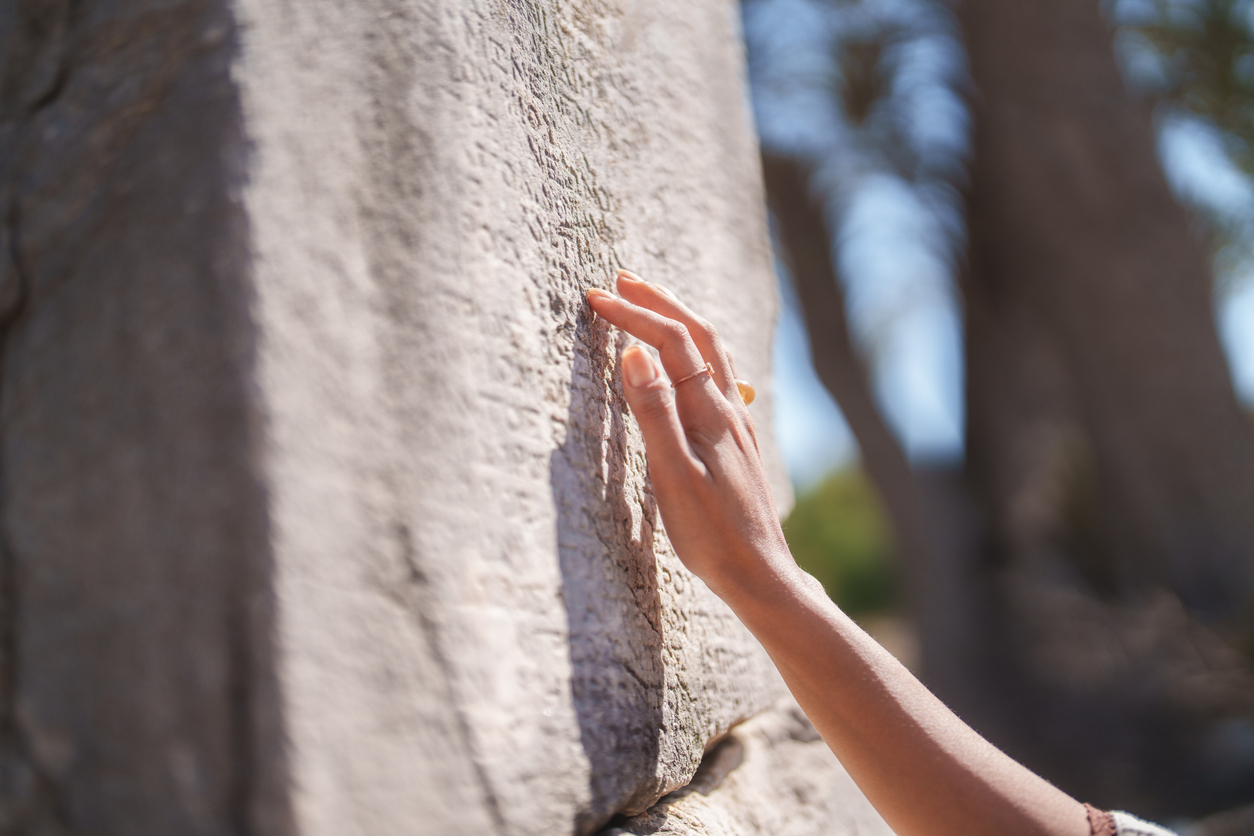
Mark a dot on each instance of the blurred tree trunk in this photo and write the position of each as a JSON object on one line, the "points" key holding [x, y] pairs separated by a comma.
{"points": [[927, 545], [1105, 445], [1092, 350], [802, 229], [1111, 466]]}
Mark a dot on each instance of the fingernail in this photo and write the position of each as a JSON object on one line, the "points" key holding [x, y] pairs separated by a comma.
{"points": [[630, 276], [598, 292], [747, 392], [638, 367]]}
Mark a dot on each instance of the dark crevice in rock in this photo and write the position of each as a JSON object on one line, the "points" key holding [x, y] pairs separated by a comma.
{"points": [[36, 69], [610, 588], [58, 82], [723, 755], [416, 602], [33, 55], [29, 795], [55, 79]]}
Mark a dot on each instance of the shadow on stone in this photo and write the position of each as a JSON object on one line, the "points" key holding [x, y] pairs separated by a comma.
{"points": [[720, 760], [137, 609], [609, 584]]}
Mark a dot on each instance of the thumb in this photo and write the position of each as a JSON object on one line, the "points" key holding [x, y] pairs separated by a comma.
{"points": [[653, 403]]}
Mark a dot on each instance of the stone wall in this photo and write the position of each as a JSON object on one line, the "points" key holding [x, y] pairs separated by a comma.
{"points": [[322, 511]]}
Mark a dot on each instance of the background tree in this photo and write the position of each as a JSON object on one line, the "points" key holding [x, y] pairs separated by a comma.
{"points": [[1090, 611]]}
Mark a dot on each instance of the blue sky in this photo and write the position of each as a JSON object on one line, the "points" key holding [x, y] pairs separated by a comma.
{"points": [[897, 239]]}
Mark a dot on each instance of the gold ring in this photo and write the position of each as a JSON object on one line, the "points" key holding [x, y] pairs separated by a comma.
{"points": [[706, 370], [747, 393]]}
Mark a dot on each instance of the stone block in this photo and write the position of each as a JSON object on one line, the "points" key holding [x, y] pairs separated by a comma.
{"points": [[322, 509], [772, 776]]}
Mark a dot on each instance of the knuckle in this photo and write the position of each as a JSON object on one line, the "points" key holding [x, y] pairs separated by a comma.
{"points": [[710, 428], [702, 436], [676, 332], [706, 328], [749, 434], [654, 404], [680, 473], [751, 429]]}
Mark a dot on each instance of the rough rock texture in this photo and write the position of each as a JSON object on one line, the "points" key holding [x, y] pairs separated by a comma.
{"points": [[442, 408], [321, 509], [772, 776]]}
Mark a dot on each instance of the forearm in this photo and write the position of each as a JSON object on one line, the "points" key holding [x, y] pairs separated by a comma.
{"points": [[927, 772]]}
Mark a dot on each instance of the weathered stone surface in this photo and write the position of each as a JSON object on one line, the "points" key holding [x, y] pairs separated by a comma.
{"points": [[137, 692], [773, 776], [321, 508]]}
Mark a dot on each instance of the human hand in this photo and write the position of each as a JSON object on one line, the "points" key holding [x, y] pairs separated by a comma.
{"points": [[707, 473], [925, 771]]}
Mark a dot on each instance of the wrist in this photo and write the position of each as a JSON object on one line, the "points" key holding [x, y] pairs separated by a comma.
{"points": [[766, 579]]}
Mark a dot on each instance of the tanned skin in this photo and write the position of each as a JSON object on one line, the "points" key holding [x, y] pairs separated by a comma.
{"points": [[926, 772]]}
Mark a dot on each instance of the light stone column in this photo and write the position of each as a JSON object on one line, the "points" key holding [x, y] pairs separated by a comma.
{"points": [[323, 512]]}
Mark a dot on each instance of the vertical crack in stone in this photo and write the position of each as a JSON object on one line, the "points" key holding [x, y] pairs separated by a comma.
{"points": [[33, 65], [35, 71], [419, 584], [29, 795]]}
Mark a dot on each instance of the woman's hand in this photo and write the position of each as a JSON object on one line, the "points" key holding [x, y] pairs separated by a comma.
{"points": [[925, 770], [703, 454]]}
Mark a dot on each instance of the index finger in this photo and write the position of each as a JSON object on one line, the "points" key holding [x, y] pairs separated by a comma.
{"points": [[697, 397]]}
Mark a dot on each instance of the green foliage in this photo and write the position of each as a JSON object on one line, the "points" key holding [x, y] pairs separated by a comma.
{"points": [[838, 532], [1205, 52], [1196, 58]]}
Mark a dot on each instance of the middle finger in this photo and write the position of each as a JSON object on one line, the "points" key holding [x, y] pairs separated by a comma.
{"points": [[707, 340], [699, 399]]}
